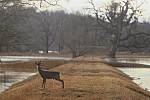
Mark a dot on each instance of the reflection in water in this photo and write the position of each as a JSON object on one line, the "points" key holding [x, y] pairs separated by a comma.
{"points": [[8, 78], [145, 61], [141, 76]]}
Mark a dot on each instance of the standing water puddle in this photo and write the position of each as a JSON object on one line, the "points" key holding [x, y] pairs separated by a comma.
{"points": [[27, 58], [145, 61], [141, 75], [8, 78]]}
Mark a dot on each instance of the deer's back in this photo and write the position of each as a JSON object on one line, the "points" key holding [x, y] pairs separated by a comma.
{"points": [[51, 74]]}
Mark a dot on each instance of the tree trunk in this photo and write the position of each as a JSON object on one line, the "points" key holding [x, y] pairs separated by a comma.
{"points": [[60, 47], [0, 48], [74, 55], [115, 45], [47, 44], [113, 51]]}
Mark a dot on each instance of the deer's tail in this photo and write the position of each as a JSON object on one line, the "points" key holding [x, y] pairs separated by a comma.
{"points": [[60, 75]]}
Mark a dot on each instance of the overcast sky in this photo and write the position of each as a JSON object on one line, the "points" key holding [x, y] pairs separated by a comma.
{"points": [[78, 5]]}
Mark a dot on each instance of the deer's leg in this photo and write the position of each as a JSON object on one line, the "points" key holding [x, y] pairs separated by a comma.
{"points": [[53, 83], [61, 82], [43, 84]]}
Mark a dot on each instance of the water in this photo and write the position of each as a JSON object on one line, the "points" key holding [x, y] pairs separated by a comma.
{"points": [[145, 61], [27, 58], [141, 76], [8, 78]]}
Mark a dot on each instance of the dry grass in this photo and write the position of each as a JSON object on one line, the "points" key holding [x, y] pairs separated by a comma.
{"points": [[83, 81]]}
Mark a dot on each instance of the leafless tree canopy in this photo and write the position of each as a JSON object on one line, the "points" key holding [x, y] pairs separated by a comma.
{"points": [[117, 19], [116, 27]]}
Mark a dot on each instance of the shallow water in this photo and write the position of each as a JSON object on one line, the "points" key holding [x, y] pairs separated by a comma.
{"points": [[8, 78], [145, 61], [27, 58], [141, 76]]}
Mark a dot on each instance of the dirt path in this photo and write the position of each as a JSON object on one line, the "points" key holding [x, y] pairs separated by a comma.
{"points": [[83, 81]]}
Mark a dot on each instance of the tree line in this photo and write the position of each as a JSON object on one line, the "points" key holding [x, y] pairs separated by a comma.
{"points": [[25, 29]]}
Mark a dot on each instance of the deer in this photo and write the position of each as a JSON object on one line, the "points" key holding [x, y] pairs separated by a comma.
{"points": [[45, 74]]}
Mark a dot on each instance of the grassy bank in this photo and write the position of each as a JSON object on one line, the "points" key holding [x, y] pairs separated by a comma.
{"points": [[83, 81]]}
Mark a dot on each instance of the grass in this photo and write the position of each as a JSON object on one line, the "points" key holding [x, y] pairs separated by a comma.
{"points": [[83, 81]]}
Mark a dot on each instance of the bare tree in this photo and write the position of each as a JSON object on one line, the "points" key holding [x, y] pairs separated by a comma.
{"points": [[49, 25], [60, 16], [76, 34], [7, 22], [116, 18]]}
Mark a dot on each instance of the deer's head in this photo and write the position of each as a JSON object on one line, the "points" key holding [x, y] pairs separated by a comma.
{"points": [[38, 63]]}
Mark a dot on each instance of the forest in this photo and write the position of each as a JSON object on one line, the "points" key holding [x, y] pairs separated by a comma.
{"points": [[26, 29], [100, 52]]}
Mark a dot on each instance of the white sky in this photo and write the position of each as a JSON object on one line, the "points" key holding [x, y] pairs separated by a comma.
{"points": [[78, 5]]}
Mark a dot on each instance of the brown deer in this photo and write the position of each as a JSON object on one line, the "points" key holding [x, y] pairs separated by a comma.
{"points": [[45, 74]]}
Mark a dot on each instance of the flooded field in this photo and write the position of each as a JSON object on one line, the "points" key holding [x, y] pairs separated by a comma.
{"points": [[145, 61], [27, 58], [141, 76], [10, 77]]}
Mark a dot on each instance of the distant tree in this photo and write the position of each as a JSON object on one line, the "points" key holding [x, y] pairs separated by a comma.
{"points": [[26, 29], [60, 16], [117, 18], [8, 18], [7, 21], [76, 36], [49, 25], [15, 29]]}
